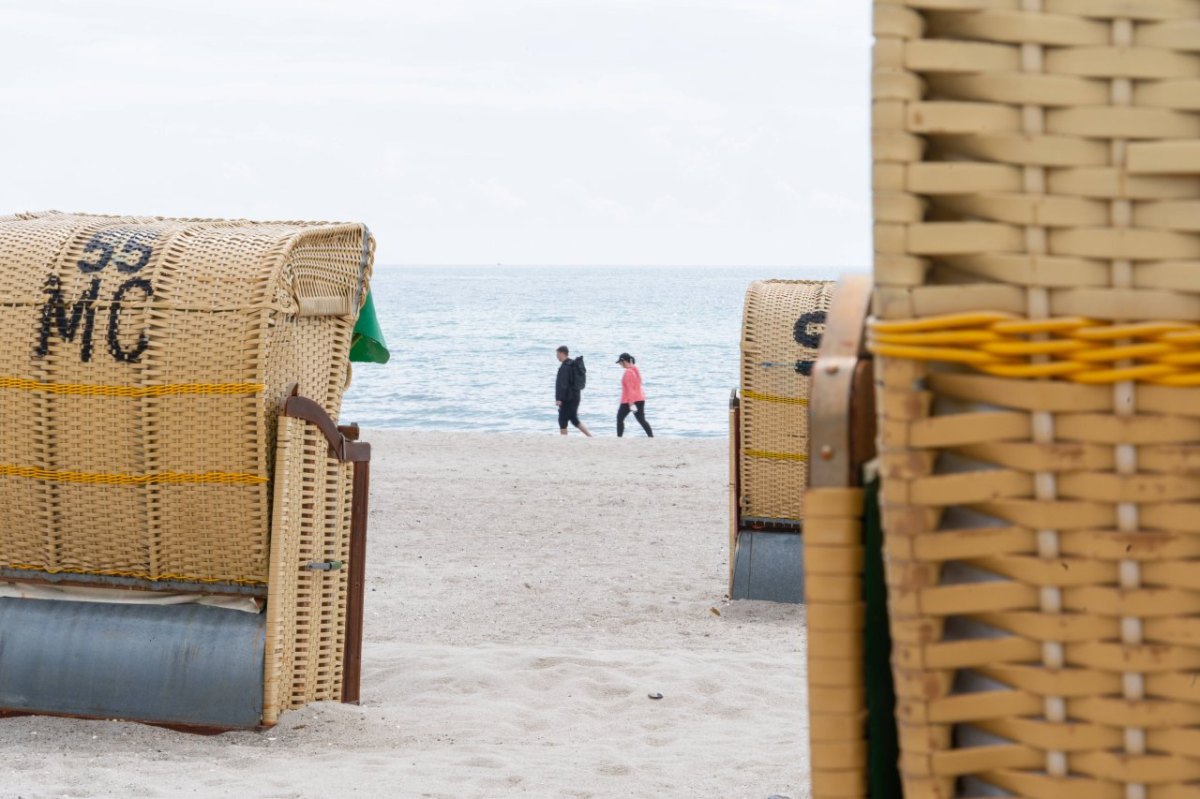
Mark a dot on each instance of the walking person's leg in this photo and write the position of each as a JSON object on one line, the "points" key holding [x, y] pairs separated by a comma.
{"points": [[582, 427], [622, 412], [640, 415], [564, 416], [574, 419]]}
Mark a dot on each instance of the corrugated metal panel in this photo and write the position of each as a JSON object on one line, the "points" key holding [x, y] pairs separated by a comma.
{"points": [[176, 664]]}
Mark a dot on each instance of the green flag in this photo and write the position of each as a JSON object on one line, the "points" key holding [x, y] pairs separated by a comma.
{"points": [[367, 344]]}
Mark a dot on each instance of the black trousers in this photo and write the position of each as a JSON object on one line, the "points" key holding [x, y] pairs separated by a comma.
{"points": [[568, 412], [639, 414]]}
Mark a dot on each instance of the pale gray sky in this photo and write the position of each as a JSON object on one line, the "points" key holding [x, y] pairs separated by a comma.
{"points": [[461, 131]]}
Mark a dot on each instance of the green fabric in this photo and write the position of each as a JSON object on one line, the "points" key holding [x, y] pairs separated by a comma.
{"points": [[883, 751], [367, 344]]}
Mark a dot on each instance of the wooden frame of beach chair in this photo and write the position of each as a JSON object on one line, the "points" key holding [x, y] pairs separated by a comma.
{"points": [[1037, 186], [841, 412], [168, 449]]}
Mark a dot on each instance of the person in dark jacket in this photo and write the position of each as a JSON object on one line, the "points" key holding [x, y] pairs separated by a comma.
{"points": [[566, 395]]}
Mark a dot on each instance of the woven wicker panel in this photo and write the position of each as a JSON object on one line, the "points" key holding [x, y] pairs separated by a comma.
{"points": [[833, 586], [143, 363], [280, 649], [1040, 158], [306, 609], [781, 329]]}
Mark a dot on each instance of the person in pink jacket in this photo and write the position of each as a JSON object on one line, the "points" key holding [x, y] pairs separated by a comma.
{"points": [[631, 395]]}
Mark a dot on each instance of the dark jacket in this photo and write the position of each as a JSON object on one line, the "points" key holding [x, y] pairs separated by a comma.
{"points": [[564, 384]]}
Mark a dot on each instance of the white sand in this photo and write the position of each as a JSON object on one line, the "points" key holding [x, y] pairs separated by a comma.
{"points": [[525, 595]]}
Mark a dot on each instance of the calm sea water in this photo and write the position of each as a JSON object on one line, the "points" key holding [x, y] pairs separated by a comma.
{"points": [[473, 347]]}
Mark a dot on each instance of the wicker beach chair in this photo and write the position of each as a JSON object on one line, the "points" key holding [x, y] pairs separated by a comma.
{"points": [[1037, 206], [168, 390], [781, 330]]}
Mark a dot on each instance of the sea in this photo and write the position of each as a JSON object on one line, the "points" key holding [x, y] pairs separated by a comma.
{"points": [[473, 347]]}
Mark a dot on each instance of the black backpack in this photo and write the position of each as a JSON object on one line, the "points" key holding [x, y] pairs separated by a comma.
{"points": [[578, 373]]}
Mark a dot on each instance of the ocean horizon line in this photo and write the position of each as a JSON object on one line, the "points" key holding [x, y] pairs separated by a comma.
{"points": [[814, 269], [551, 429]]}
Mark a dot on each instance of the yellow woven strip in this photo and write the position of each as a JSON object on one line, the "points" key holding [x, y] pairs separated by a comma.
{"points": [[107, 478], [1182, 337], [776, 456], [1181, 379], [188, 578], [1133, 330], [754, 395], [1053, 369], [167, 390], [951, 354], [1018, 348], [945, 322], [1191, 358], [1124, 352], [1055, 325], [939, 337]]}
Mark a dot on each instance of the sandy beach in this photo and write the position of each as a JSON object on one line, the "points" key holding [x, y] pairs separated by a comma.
{"points": [[526, 593]]}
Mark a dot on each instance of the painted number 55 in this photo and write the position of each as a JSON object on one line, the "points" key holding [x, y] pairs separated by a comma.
{"points": [[135, 254]]}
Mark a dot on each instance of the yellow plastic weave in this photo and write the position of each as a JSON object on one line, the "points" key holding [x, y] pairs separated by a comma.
{"points": [[1074, 348]]}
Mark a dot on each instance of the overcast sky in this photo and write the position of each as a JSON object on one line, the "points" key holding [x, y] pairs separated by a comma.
{"points": [[462, 131]]}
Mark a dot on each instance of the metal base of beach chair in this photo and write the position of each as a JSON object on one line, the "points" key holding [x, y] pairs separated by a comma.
{"points": [[769, 566], [185, 665], [205, 669], [766, 555]]}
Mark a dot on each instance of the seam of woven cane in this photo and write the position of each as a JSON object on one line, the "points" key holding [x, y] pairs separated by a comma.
{"points": [[1124, 399], [168, 264], [895, 149], [153, 578], [1045, 483], [362, 268], [46, 442]]}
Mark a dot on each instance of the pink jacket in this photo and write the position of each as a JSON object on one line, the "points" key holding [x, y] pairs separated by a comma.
{"points": [[631, 386]]}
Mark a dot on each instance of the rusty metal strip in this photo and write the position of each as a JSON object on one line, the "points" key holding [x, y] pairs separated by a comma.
{"points": [[341, 447]]}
